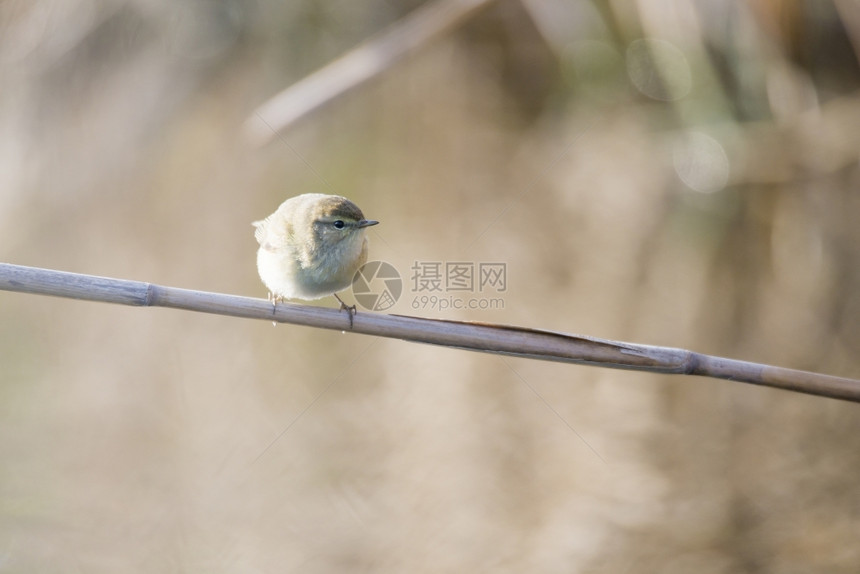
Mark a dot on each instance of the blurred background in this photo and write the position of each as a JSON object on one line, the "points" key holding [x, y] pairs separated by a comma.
{"points": [[680, 173]]}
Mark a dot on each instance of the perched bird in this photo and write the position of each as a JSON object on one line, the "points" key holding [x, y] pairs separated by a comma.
{"points": [[311, 247]]}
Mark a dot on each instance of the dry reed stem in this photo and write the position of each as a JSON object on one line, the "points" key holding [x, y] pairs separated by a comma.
{"points": [[503, 339], [359, 65]]}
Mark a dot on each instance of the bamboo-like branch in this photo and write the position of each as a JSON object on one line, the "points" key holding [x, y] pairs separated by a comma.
{"points": [[502, 339], [361, 64]]}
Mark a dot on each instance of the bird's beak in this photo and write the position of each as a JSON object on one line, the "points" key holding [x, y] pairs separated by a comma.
{"points": [[366, 223]]}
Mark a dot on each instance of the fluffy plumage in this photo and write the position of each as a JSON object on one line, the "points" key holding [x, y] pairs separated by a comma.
{"points": [[311, 246]]}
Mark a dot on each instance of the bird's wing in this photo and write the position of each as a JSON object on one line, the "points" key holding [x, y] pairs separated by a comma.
{"points": [[273, 233], [260, 231]]}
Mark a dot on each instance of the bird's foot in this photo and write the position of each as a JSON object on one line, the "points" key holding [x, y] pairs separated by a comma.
{"points": [[349, 308], [274, 299]]}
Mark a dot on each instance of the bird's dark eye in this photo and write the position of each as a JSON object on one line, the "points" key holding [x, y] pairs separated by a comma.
{"points": [[339, 224]]}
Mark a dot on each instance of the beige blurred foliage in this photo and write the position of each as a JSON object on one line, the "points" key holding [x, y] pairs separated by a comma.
{"points": [[676, 173]]}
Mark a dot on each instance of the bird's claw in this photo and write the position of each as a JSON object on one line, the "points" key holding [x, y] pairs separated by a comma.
{"points": [[274, 299], [348, 308]]}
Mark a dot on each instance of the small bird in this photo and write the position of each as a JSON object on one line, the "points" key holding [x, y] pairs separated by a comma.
{"points": [[311, 247]]}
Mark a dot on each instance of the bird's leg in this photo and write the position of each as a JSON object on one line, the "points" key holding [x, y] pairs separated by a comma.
{"points": [[274, 299], [349, 308]]}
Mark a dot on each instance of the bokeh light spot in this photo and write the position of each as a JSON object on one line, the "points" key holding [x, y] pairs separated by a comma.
{"points": [[658, 69], [701, 162]]}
